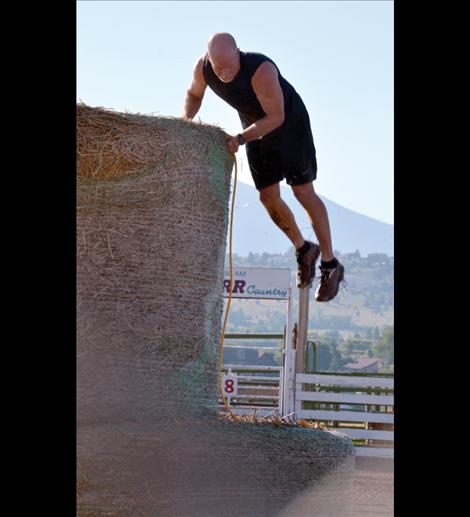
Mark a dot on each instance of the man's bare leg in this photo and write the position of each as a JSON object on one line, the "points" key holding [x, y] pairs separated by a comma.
{"points": [[307, 252], [281, 214], [318, 214], [332, 271]]}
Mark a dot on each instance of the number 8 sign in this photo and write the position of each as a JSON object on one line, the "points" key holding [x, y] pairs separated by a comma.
{"points": [[230, 385]]}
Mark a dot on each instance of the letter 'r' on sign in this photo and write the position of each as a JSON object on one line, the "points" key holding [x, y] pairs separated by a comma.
{"points": [[238, 286]]}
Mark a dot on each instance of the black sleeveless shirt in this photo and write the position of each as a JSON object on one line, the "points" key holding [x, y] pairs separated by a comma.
{"points": [[240, 95], [288, 148]]}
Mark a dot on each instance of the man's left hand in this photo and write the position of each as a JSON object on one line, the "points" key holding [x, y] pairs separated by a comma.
{"points": [[232, 142]]}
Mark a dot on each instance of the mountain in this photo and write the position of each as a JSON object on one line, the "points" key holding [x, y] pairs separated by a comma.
{"points": [[253, 229]]}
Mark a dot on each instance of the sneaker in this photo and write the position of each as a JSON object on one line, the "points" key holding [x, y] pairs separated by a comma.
{"points": [[329, 282], [306, 265]]}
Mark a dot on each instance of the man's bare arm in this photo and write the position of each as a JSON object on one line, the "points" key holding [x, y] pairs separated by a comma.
{"points": [[195, 92], [268, 91]]}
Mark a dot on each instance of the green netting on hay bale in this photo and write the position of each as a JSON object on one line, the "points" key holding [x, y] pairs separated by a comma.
{"points": [[152, 217]]}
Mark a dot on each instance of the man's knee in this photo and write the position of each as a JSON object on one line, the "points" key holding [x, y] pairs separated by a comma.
{"points": [[278, 215], [270, 199], [304, 192]]}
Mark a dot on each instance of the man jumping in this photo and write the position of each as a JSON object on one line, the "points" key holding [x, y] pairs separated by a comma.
{"points": [[279, 144]]}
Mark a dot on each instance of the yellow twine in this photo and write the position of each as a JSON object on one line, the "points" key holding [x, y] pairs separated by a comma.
{"points": [[222, 336]]}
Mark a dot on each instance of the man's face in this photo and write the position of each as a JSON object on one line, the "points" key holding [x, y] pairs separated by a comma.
{"points": [[225, 65]]}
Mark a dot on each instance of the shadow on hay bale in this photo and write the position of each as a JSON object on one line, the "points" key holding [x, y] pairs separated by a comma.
{"points": [[152, 216]]}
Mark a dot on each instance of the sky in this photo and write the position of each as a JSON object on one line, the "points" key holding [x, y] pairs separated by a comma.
{"points": [[138, 56]]}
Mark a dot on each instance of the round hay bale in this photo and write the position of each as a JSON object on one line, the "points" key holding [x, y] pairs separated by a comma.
{"points": [[152, 216]]}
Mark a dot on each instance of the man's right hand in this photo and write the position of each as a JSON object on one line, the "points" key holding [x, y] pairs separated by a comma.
{"points": [[233, 144]]}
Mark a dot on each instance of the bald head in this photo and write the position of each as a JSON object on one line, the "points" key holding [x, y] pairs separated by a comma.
{"points": [[221, 43], [223, 55]]}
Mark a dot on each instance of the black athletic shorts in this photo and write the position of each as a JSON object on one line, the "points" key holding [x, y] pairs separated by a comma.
{"points": [[287, 152]]}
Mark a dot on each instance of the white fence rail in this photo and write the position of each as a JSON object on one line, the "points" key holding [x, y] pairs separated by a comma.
{"points": [[361, 407]]}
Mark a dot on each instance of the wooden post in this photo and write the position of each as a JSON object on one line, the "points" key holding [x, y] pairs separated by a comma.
{"points": [[301, 339], [288, 397], [302, 330]]}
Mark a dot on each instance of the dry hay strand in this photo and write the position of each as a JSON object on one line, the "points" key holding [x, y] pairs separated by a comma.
{"points": [[111, 145], [274, 420]]}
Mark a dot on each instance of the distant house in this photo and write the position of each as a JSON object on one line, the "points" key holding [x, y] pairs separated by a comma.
{"points": [[362, 364]]}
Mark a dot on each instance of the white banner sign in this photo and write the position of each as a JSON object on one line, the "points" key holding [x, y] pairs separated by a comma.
{"points": [[252, 282]]}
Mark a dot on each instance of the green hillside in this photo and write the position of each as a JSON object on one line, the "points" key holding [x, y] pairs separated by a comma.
{"points": [[357, 322]]}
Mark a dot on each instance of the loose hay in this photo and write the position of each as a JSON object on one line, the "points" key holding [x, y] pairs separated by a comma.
{"points": [[114, 145], [152, 215]]}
